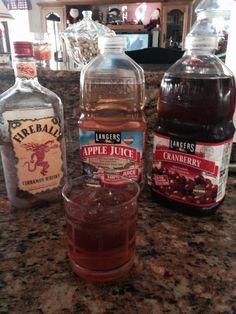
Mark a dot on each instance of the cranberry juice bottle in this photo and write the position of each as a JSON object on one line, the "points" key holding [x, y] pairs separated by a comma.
{"points": [[193, 138], [112, 125]]}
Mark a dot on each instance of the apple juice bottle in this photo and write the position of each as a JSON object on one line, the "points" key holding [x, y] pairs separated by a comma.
{"points": [[112, 125]]}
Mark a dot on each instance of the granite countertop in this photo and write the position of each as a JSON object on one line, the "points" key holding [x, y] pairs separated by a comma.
{"points": [[183, 264], [64, 73]]}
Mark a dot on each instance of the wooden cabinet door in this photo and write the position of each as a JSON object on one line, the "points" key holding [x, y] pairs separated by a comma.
{"points": [[53, 27], [59, 11], [175, 23]]}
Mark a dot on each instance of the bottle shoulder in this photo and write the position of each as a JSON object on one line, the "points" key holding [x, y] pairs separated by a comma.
{"points": [[132, 121], [106, 64], [28, 96], [199, 65]]}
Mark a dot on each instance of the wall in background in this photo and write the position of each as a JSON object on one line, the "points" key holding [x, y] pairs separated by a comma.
{"points": [[34, 17]]}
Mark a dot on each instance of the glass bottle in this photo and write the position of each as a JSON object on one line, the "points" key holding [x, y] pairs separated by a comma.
{"points": [[112, 125], [31, 136], [193, 137]]}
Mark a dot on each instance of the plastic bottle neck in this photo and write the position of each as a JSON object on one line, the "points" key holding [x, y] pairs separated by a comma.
{"points": [[199, 51], [112, 50], [201, 45], [111, 45]]}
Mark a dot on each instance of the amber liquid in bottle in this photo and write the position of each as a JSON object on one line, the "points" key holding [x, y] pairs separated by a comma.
{"points": [[112, 125]]}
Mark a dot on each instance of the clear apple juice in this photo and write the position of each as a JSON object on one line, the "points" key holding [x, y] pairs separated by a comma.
{"points": [[112, 131]]}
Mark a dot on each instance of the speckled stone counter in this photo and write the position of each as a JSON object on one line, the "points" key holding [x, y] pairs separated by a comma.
{"points": [[183, 264], [66, 83]]}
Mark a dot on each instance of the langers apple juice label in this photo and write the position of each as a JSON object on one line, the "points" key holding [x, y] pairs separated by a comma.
{"points": [[36, 145], [112, 153], [190, 172]]}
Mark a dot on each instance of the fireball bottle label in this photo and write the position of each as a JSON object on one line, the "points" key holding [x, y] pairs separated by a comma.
{"points": [[36, 144], [190, 172], [111, 153]]}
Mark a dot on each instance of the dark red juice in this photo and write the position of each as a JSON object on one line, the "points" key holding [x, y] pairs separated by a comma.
{"points": [[192, 141], [197, 108]]}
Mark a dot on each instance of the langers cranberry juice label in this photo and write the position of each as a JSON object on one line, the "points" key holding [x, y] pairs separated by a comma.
{"points": [[190, 172], [109, 153]]}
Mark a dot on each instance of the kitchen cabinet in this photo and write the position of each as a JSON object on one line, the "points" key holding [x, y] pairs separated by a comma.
{"points": [[176, 18], [53, 22], [58, 9]]}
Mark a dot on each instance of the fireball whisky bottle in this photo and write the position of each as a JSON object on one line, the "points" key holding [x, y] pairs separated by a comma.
{"points": [[31, 136]]}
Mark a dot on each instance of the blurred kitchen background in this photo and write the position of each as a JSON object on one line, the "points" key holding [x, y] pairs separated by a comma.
{"points": [[162, 24]]}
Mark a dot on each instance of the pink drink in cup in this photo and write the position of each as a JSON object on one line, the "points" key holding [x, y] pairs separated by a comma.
{"points": [[101, 226]]}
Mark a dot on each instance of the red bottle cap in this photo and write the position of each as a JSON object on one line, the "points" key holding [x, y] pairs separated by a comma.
{"points": [[23, 49]]}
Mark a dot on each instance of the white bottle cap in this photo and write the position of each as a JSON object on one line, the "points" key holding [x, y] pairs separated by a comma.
{"points": [[111, 42]]}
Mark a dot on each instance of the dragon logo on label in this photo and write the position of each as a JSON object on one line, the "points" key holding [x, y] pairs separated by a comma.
{"points": [[38, 156]]}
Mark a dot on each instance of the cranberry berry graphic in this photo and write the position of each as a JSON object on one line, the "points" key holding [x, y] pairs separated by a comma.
{"points": [[199, 190]]}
